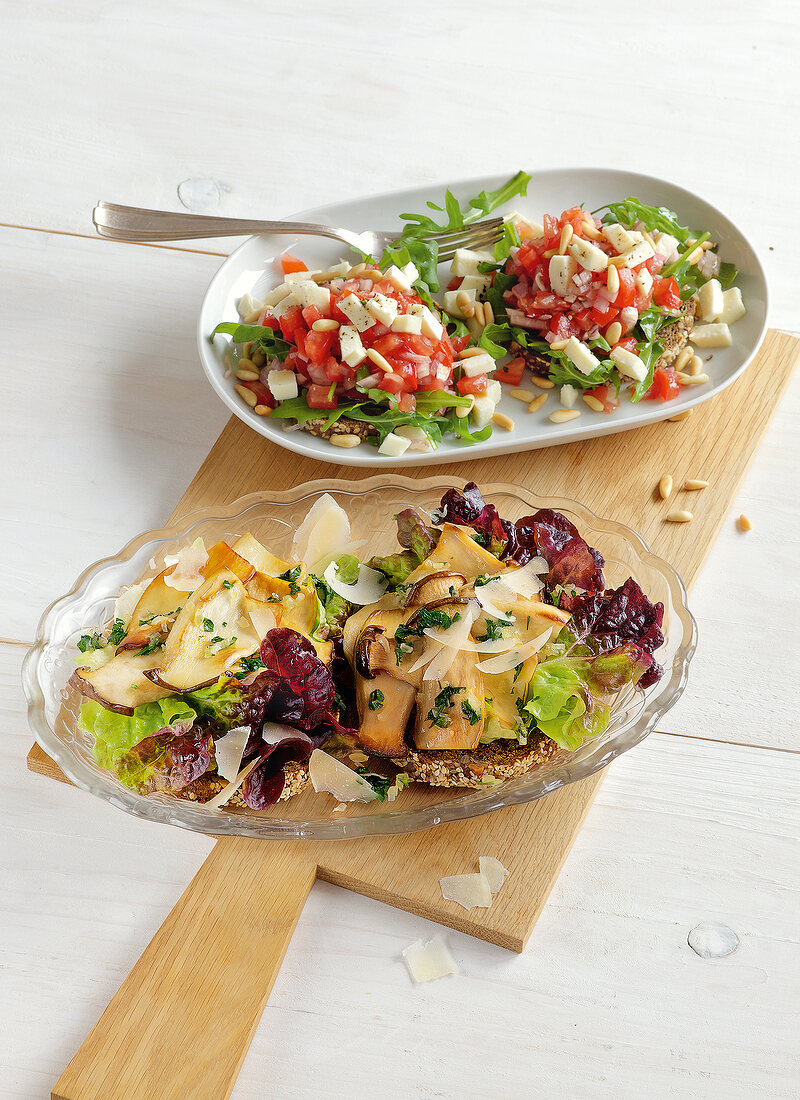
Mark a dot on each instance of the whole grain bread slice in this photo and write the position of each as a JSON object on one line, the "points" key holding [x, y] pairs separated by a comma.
{"points": [[483, 766]]}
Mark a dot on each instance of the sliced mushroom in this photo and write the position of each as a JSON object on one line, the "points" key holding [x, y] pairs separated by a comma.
{"points": [[457, 551], [435, 586], [382, 725], [445, 710], [121, 684]]}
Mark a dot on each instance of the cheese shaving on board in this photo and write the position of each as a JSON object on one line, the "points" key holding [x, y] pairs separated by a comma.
{"points": [[470, 891], [506, 661], [493, 871], [428, 961]]}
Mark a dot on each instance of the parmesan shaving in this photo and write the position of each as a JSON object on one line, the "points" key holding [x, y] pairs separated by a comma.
{"points": [[428, 961], [263, 620], [127, 600], [526, 581], [229, 750], [272, 733], [324, 531], [188, 562], [506, 661], [369, 587], [493, 590], [451, 640], [493, 871], [331, 775], [228, 792], [469, 891]]}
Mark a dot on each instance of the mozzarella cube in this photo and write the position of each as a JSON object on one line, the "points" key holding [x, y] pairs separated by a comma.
{"points": [[478, 364], [711, 336], [383, 308], [398, 278], [247, 305], [298, 276], [432, 327], [451, 301], [569, 395], [561, 270], [394, 445], [644, 281], [483, 410], [308, 293], [474, 282], [629, 364], [354, 308], [465, 261], [417, 438], [407, 322], [581, 355], [666, 245], [282, 384], [494, 390], [618, 236], [588, 255], [640, 252], [411, 271], [352, 350], [733, 307], [710, 300], [283, 306]]}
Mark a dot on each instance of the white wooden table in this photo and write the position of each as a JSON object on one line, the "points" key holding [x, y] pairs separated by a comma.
{"points": [[106, 417]]}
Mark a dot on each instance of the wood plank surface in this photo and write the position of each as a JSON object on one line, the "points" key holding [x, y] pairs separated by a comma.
{"points": [[539, 835]]}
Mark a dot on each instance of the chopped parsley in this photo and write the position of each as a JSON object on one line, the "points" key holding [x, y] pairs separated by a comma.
{"points": [[249, 664], [437, 715], [156, 642], [227, 584], [290, 576], [117, 632], [424, 619], [379, 783], [479, 538], [90, 641], [469, 712], [376, 699], [494, 630], [208, 625]]}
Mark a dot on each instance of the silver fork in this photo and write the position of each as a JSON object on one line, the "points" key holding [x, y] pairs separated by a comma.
{"points": [[132, 223]]}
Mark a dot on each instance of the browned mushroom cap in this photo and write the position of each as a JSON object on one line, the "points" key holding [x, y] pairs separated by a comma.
{"points": [[436, 586], [454, 602], [371, 640]]}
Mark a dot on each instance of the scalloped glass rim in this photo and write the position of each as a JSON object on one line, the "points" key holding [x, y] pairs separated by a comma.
{"points": [[101, 581]]}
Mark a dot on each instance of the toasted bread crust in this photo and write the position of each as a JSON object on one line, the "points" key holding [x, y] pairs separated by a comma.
{"points": [[204, 788], [479, 768], [344, 426]]}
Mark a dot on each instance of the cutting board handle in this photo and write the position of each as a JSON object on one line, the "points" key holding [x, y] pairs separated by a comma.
{"points": [[181, 1023]]}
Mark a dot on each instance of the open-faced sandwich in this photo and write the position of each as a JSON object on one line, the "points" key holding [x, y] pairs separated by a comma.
{"points": [[474, 653], [599, 304]]}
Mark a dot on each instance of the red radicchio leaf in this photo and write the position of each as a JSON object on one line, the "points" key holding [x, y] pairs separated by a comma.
{"points": [[304, 691], [414, 534], [170, 759], [469, 509], [606, 621], [264, 785]]}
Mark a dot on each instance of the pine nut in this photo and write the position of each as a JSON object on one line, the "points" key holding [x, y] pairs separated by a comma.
{"points": [[464, 304], [558, 345], [503, 421], [550, 253], [707, 246], [593, 403], [566, 236], [327, 276], [246, 349], [522, 395], [695, 366], [478, 313], [691, 242], [537, 402], [247, 396], [617, 261], [345, 441], [612, 282], [248, 375], [379, 361], [467, 353], [359, 269], [258, 357], [684, 355], [649, 239], [680, 416], [680, 517], [591, 231], [246, 364], [744, 523], [692, 379], [374, 274], [561, 416], [695, 255], [665, 487], [614, 330], [262, 410], [542, 383], [325, 324], [488, 314], [693, 484]]}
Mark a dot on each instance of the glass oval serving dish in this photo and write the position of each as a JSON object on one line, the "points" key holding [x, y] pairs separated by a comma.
{"points": [[371, 504]]}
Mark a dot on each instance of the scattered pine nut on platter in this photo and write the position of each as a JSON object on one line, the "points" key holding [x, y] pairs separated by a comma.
{"points": [[744, 523], [561, 416], [522, 395], [665, 487], [681, 516], [693, 484], [537, 402]]}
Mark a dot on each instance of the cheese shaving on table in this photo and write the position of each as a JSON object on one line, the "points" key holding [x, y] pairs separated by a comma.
{"points": [[428, 961], [470, 891]]}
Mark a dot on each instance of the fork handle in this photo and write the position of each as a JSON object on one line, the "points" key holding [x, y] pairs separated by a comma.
{"points": [[132, 223]]}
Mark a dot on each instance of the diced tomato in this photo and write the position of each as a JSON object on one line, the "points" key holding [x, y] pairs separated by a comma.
{"points": [[574, 217], [627, 288], [391, 383], [419, 345], [407, 403], [604, 317], [337, 371], [552, 231], [320, 397], [312, 314], [607, 395], [458, 343], [455, 282], [291, 263], [269, 321], [388, 344], [318, 345], [261, 392], [666, 293], [665, 385], [474, 385], [511, 372], [291, 323], [629, 344], [432, 383]]}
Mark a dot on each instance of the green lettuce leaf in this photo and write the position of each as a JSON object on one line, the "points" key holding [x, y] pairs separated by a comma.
{"points": [[115, 733], [272, 344]]}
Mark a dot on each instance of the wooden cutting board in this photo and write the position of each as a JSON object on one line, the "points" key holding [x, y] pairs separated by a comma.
{"points": [[251, 892]]}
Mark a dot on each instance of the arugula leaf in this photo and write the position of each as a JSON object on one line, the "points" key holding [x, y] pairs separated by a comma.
{"points": [[272, 344], [654, 218], [649, 354]]}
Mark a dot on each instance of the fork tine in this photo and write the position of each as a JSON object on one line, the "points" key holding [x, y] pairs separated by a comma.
{"points": [[460, 238], [485, 241]]}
